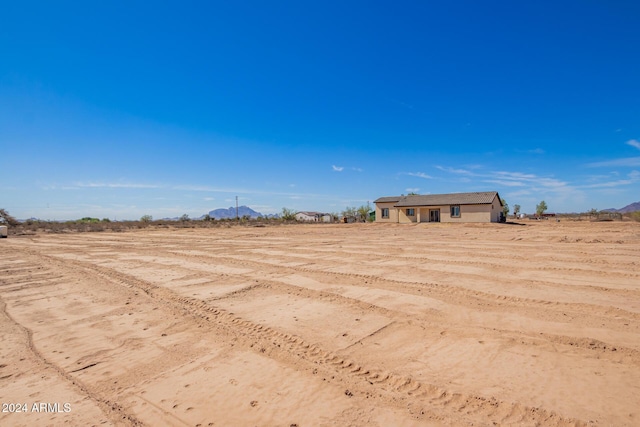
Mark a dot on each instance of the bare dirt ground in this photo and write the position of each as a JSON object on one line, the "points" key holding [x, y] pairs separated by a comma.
{"points": [[324, 325]]}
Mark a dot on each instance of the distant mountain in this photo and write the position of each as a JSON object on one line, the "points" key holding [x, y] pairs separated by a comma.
{"points": [[629, 208], [231, 213]]}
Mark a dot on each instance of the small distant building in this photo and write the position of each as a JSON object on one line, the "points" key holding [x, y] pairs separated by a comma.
{"points": [[542, 216], [348, 219], [453, 207], [313, 217]]}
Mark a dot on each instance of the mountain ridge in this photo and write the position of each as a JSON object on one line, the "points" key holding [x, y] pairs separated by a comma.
{"points": [[631, 207], [230, 213]]}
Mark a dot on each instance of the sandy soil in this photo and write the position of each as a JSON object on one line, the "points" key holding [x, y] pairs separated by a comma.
{"points": [[324, 325]]}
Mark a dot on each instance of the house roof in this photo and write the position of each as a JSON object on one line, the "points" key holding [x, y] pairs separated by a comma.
{"points": [[388, 199], [477, 198]]}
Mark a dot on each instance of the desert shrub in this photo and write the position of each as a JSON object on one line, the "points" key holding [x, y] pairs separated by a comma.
{"points": [[88, 220], [288, 214], [95, 227], [6, 218], [541, 208], [505, 207]]}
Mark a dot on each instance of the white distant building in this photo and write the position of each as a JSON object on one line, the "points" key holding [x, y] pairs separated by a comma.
{"points": [[313, 216]]}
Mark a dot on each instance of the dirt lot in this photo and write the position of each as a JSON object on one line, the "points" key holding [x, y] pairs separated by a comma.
{"points": [[335, 325]]}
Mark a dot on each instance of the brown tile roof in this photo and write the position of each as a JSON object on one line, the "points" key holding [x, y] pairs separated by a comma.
{"points": [[477, 198], [388, 199]]}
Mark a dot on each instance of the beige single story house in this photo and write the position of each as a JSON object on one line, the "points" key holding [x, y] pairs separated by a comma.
{"points": [[454, 207]]}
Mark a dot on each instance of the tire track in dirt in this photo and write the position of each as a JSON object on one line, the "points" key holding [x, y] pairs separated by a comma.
{"points": [[473, 259], [468, 297], [605, 350], [616, 317], [501, 255], [590, 346], [447, 254], [610, 351], [112, 410], [436, 401], [444, 249], [425, 264]]}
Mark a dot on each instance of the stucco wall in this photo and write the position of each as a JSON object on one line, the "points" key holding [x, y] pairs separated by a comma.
{"points": [[468, 213], [393, 212], [403, 218], [472, 213], [495, 212]]}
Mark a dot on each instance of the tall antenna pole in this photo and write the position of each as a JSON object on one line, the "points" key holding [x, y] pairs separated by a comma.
{"points": [[237, 216]]}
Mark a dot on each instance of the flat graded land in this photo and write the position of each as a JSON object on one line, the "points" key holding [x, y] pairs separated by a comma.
{"points": [[535, 323]]}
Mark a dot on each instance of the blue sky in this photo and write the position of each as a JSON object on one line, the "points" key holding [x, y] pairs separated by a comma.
{"points": [[121, 109]]}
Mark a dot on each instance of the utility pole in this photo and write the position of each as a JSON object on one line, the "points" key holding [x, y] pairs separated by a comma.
{"points": [[237, 216]]}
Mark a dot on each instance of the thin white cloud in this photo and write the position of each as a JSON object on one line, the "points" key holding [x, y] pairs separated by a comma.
{"points": [[609, 184], [420, 175], [598, 178], [516, 176], [625, 162], [337, 168], [519, 193], [185, 188], [114, 185], [530, 183], [634, 177], [357, 169], [634, 143], [505, 183], [456, 171], [54, 187], [194, 188], [540, 183], [412, 190]]}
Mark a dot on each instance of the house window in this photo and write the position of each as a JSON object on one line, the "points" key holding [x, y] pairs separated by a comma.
{"points": [[455, 211], [411, 212], [385, 212]]}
